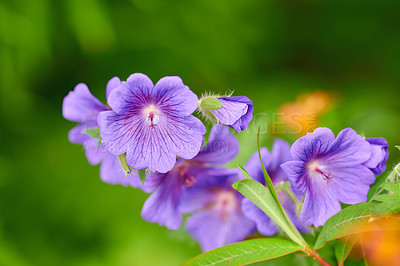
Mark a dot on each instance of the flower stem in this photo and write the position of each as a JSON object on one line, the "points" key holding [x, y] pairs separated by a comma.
{"points": [[317, 257]]}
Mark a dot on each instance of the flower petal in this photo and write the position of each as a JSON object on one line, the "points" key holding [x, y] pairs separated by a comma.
{"points": [[231, 111], [280, 154], [379, 155], [112, 84], [81, 106], [212, 232], [201, 193], [135, 93], [162, 206], [265, 225], [291, 209], [347, 150], [350, 185], [296, 173], [253, 165], [244, 121], [313, 144], [319, 205], [155, 148], [221, 148], [173, 95], [111, 172], [94, 152]]}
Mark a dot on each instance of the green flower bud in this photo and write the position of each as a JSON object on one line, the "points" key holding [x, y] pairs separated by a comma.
{"points": [[210, 104]]}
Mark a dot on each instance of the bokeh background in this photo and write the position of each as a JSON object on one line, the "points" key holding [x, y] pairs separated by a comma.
{"points": [[54, 210]]}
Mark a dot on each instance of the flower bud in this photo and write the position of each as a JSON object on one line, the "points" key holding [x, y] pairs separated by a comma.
{"points": [[209, 104]]}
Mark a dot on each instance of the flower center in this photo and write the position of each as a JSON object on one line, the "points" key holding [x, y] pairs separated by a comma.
{"points": [[315, 167], [186, 179], [225, 202], [151, 114]]}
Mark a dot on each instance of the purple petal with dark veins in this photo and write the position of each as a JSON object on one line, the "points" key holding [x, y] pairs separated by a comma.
{"points": [[221, 148], [81, 106]]}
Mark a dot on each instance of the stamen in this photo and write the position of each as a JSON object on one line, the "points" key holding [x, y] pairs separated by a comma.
{"points": [[327, 176], [151, 115], [316, 167]]}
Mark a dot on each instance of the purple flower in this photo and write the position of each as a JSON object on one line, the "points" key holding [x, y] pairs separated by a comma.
{"points": [[152, 124], [163, 205], [82, 107], [235, 112], [329, 171], [379, 155], [272, 161], [217, 219]]}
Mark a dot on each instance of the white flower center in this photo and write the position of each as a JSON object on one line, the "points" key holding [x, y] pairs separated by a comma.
{"points": [[152, 117], [314, 168]]}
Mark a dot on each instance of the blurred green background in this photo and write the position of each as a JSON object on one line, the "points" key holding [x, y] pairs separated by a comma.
{"points": [[54, 210]]}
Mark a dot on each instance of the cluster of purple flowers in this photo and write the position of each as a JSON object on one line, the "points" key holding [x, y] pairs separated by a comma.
{"points": [[152, 127]]}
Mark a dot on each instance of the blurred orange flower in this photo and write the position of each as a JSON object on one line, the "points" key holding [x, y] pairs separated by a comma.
{"points": [[302, 116], [379, 241]]}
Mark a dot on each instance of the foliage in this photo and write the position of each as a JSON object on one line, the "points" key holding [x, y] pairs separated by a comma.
{"points": [[245, 252], [389, 202], [265, 49]]}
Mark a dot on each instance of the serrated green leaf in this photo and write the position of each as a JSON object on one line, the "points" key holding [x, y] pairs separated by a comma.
{"points": [[244, 172], [93, 132], [246, 252], [343, 222], [142, 175], [390, 202], [210, 104], [262, 197]]}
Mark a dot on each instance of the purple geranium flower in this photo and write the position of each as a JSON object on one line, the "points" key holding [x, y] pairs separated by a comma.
{"points": [[152, 124], [217, 218], [272, 161], [163, 205], [235, 112], [379, 155], [329, 171], [82, 107]]}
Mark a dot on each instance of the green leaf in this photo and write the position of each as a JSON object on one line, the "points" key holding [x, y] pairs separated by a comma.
{"points": [[210, 104], [267, 178], [124, 164], [342, 249], [343, 222], [244, 172], [398, 147], [246, 252], [211, 116], [142, 175], [93, 132], [262, 197], [389, 202], [270, 186]]}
